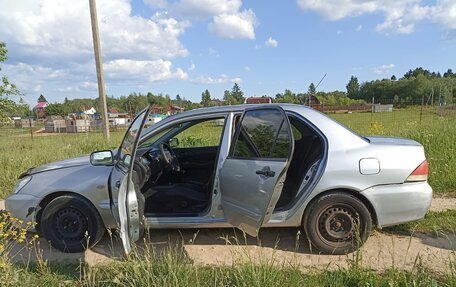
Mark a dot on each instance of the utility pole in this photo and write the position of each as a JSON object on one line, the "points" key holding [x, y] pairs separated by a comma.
{"points": [[99, 66]]}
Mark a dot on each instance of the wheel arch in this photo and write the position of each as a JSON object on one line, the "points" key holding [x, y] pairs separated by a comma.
{"points": [[51, 196], [355, 193]]}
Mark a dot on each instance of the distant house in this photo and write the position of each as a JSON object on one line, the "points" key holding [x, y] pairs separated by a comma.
{"points": [[39, 109], [118, 119], [258, 100], [90, 112], [112, 111], [174, 110], [313, 101]]}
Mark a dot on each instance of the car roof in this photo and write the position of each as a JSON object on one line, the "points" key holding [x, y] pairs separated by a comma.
{"points": [[236, 108]]}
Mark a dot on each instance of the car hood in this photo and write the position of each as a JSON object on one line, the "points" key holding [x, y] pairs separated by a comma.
{"points": [[72, 162]]}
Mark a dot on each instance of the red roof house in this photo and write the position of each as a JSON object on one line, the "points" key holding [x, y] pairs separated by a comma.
{"points": [[39, 109]]}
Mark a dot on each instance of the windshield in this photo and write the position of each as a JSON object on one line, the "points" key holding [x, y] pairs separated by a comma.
{"points": [[128, 144]]}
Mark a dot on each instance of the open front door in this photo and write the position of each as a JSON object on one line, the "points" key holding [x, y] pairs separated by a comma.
{"points": [[252, 176], [128, 208]]}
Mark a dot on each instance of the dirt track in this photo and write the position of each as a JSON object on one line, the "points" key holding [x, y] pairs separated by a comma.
{"points": [[224, 246]]}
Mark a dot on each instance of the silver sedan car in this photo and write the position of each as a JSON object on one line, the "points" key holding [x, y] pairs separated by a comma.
{"points": [[246, 166]]}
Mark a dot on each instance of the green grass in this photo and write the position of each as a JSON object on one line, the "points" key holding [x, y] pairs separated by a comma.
{"points": [[18, 152], [435, 222], [204, 134], [172, 270], [437, 135]]}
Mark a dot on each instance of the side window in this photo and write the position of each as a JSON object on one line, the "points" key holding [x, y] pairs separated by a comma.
{"points": [[262, 134], [203, 134]]}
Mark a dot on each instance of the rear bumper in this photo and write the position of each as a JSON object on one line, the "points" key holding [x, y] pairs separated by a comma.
{"points": [[399, 203]]}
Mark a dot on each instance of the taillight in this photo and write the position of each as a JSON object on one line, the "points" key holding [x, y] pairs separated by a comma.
{"points": [[420, 173]]}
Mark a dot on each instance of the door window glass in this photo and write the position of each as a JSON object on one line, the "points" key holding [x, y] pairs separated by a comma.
{"points": [[128, 144], [202, 134], [262, 134]]}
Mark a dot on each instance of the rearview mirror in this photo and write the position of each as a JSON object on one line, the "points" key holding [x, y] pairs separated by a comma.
{"points": [[174, 142], [102, 157]]}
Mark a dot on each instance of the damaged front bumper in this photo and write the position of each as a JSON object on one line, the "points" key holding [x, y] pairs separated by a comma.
{"points": [[23, 207]]}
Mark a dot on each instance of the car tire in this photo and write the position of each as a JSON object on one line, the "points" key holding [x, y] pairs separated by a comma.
{"points": [[337, 223], [71, 224]]}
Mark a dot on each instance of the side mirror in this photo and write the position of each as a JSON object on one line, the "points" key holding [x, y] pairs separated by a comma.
{"points": [[174, 142], [102, 157]]}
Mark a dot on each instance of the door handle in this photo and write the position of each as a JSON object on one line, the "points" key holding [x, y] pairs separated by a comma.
{"points": [[118, 183], [266, 172]]}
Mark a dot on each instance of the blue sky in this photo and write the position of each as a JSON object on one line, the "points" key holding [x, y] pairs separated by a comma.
{"points": [[185, 46]]}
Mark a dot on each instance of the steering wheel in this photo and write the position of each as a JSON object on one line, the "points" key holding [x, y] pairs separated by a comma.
{"points": [[169, 157]]}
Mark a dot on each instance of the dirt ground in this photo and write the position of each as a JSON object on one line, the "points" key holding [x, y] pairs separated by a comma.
{"points": [[284, 246]]}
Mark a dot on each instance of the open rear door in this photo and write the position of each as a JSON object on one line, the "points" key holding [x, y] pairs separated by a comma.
{"points": [[128, 209], [252, 176]]}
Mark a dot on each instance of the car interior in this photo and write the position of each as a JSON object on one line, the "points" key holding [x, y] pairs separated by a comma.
{"points": [[176, 168]]}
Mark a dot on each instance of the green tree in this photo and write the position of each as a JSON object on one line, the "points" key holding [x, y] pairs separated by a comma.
{"points": [[353, 88], [237, 94], [206, 98], [227, 99], [311, 90], [449, 73], [55, 109], [7, 106], [287, 97]]}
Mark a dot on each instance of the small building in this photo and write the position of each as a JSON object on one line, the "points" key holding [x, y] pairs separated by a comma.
{"points": [[172, 109], [55, 124], [90, 112], [39, 109], [258, 100], [155, 118], [77, 125], [24, 123], [118, 119], [313, 102]]}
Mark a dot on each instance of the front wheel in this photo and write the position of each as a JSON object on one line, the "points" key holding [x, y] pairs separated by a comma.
{"points": [[71, 224], [337, 223]]}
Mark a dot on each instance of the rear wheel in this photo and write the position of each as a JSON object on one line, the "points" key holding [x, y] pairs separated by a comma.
{"points": [[71, 224], [337, 223]]}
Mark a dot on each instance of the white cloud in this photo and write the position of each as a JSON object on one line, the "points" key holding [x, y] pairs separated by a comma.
{"points": [[59, 27], [336, 9], [272, 43], [136, 72], [247, 68], [192, 67], [359, 28], [75, 79], [234, 26], [198, 9], [383, 69], [57, 35], [339, 32], [222, 79], [400, 16], [227, 19]]}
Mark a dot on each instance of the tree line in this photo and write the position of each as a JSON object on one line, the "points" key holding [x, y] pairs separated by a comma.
{"points": [[415, 86]]}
